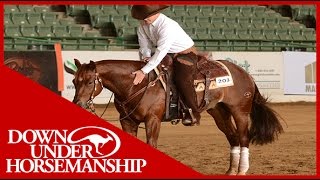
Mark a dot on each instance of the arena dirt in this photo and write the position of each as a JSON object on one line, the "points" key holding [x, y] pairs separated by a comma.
{"points": [[205, 149]]}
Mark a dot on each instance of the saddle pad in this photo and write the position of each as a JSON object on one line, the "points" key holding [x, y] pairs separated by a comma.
{"points": [[218, 73]]}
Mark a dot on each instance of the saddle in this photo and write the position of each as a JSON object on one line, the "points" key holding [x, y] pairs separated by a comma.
{"points": [[210, 75], [193, 74]]}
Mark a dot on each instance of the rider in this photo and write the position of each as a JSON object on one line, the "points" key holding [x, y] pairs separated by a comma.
{"points": [[158, 30]]}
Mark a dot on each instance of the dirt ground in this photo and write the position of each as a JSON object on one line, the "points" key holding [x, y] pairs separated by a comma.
{"points": [[205, 149]]}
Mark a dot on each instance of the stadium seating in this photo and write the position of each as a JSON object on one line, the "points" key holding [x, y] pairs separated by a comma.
{"points": [[8, 43], [28, 30], [101, 44], [253, 46], [212, 46], [41, 9], [194, 11], [7, 19], [61, 31], [20, 44], [26, 8], [309, 32], [19, 18], [94, 9], [296, 34], [229, 34], [12, 31], [91, 34], [50, 18], [257, 34], [35, 18], [11, 9], [213, 28], [86, 44], [45, 31], [70, 44], [300, 11], [243, 33]]}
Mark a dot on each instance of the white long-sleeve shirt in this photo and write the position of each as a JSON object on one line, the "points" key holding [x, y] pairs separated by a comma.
{"points": [[166, 35]]}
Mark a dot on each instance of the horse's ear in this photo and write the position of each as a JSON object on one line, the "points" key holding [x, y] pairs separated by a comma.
{"points": [[92, 65], [77, 63]]}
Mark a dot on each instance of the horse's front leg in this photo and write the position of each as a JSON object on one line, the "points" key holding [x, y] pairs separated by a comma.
{"points": [[129, 126], [152, 124], [241, 120]]}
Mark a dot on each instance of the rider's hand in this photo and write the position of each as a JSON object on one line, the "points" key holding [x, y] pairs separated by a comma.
{"points": [[146, 59], [139, 77]]}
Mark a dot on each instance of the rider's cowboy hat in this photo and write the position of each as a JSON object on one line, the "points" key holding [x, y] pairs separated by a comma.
{"points": [[142, 12]]}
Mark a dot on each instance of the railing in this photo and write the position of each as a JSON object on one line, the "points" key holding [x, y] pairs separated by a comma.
{"points": [[121, 43]]}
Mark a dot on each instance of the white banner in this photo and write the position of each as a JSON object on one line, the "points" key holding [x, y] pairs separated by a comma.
{"points": [[266, 68], [85, 57], [300, 73]]}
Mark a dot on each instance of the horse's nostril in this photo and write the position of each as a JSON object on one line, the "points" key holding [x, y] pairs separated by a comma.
{"points": [[82, 104]]}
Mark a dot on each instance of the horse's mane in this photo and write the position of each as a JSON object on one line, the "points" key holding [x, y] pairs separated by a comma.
{"points": [[117, 61], [123, 65]]}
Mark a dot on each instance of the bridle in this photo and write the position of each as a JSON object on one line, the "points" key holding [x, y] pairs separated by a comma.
{"points": [[97, 81]]}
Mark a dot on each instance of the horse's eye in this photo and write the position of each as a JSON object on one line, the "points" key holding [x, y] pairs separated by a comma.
{"points": [[90, 82]]}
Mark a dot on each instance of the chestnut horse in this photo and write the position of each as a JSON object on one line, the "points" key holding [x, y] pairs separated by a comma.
{"points": [[145, 103]]}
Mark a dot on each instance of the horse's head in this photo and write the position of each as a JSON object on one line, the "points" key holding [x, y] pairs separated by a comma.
{"points": [[86, 82]]}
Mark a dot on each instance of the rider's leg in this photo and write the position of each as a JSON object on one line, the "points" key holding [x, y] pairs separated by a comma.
{"points": [[183, 76], [173, 111]]}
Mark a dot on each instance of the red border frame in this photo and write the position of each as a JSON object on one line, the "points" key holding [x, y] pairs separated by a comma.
{"points": [[317, 176]]}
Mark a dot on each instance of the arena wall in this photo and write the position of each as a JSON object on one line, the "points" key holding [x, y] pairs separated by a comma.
{"points": [[277, 74]]}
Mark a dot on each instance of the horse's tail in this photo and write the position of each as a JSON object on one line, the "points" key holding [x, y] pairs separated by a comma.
{"points": [[265, 124]]}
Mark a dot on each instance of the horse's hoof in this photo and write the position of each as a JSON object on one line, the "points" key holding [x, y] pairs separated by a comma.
{"points": [[231, 172], [241, 173]]}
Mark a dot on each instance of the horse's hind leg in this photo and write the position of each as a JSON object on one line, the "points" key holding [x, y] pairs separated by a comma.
{"points": [[222, 117]]}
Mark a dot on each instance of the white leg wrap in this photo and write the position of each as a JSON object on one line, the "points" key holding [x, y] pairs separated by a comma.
{"points": [[234, 160], [244, 161]]}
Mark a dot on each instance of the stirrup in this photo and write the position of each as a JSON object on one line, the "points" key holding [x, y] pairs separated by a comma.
{"points": [[187, 123], [194, 120], [175, 121], [173, 105]]}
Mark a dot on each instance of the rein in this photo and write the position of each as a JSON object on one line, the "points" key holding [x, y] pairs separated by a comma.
{"points": [[144, 90]]}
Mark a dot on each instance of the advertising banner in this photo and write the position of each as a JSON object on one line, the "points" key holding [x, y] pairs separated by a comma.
{"points": [[39, 66], [300, 73], [266, 68]]}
